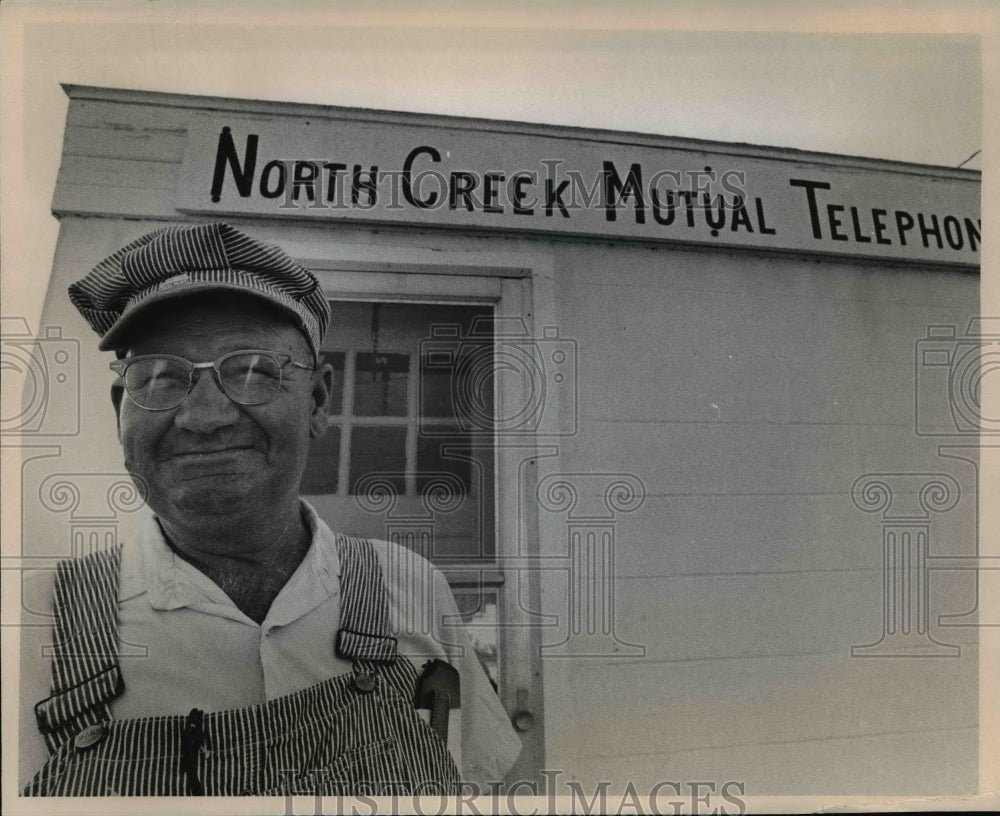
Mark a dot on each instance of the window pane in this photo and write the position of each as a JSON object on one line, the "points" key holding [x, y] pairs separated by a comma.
{"points": [[456, 382], [455, 474], [380, 384], [324, 463], [336, 359], [380, 449], [377, 413], [433, 462], [436, 369]]}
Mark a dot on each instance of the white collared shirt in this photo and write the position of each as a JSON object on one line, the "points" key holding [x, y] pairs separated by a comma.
{"points": [[185, 644]]}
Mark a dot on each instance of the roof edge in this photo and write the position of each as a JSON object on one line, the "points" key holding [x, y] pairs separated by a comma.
{"points": [[273, 107]]}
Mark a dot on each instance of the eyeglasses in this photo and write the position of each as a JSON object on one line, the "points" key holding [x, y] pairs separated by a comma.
{"points": [[159, 382]]}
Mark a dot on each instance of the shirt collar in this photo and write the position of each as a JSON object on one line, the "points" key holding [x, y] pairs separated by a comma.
{"points": [[170, 582]]}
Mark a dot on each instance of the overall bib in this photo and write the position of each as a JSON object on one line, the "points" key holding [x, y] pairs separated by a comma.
{"points": [[356, 733]]}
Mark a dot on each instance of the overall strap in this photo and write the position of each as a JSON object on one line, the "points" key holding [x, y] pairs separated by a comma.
{"points": [[85, 671], [364, 633], [365, 637]]}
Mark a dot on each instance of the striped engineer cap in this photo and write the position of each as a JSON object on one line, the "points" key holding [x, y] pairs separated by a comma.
{"points": [[184, 260]]}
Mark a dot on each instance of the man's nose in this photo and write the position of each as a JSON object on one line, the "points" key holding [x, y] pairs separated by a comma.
{"points": [[207, 408]]}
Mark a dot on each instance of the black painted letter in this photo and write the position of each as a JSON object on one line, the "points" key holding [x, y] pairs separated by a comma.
{"points": [[226, 154]]}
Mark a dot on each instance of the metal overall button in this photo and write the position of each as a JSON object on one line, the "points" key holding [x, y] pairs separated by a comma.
{"points": [[364, 682], [89, 737]]}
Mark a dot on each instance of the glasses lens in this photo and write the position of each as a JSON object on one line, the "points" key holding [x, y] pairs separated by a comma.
{"points": [[157, 383], [250, 377]]}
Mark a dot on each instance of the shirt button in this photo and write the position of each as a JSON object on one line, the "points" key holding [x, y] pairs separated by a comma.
{"points": [[364, 682], [89, 736]]}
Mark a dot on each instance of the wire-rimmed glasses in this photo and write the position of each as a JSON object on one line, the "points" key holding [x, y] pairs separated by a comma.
{"points": [[160, 382]]}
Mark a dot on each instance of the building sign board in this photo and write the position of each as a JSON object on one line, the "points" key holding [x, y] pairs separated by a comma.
{"points": [[415, 174]]}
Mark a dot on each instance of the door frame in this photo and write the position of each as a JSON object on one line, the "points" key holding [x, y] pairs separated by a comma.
{"points": [[517, 284]]}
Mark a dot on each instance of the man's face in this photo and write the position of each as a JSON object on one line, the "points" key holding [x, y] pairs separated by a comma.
{"points": [[210, 462]]}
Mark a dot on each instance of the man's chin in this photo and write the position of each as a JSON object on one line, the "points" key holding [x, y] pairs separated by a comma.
{"points": [[213, 502]]}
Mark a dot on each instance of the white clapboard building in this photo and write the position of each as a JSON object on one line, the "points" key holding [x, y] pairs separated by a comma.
{"points": [[690, 426]]}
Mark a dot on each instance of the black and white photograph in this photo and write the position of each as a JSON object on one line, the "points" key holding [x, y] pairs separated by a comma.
{"points": [[448, 407]]}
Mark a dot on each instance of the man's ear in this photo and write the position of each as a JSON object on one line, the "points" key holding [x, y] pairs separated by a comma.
{"points": [[322, 390], [117, 394]]}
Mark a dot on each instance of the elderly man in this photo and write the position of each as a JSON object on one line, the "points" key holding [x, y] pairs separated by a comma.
{"points": [[239, 647]]}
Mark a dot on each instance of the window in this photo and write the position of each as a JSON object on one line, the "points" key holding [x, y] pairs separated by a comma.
{"points": [[410, 433]]}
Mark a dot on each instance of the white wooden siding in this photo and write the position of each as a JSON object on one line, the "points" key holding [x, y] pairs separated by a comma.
{"points": [[748, 394]]}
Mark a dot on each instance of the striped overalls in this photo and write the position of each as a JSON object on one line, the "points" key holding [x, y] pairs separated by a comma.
{"points": [[356, 733]]}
